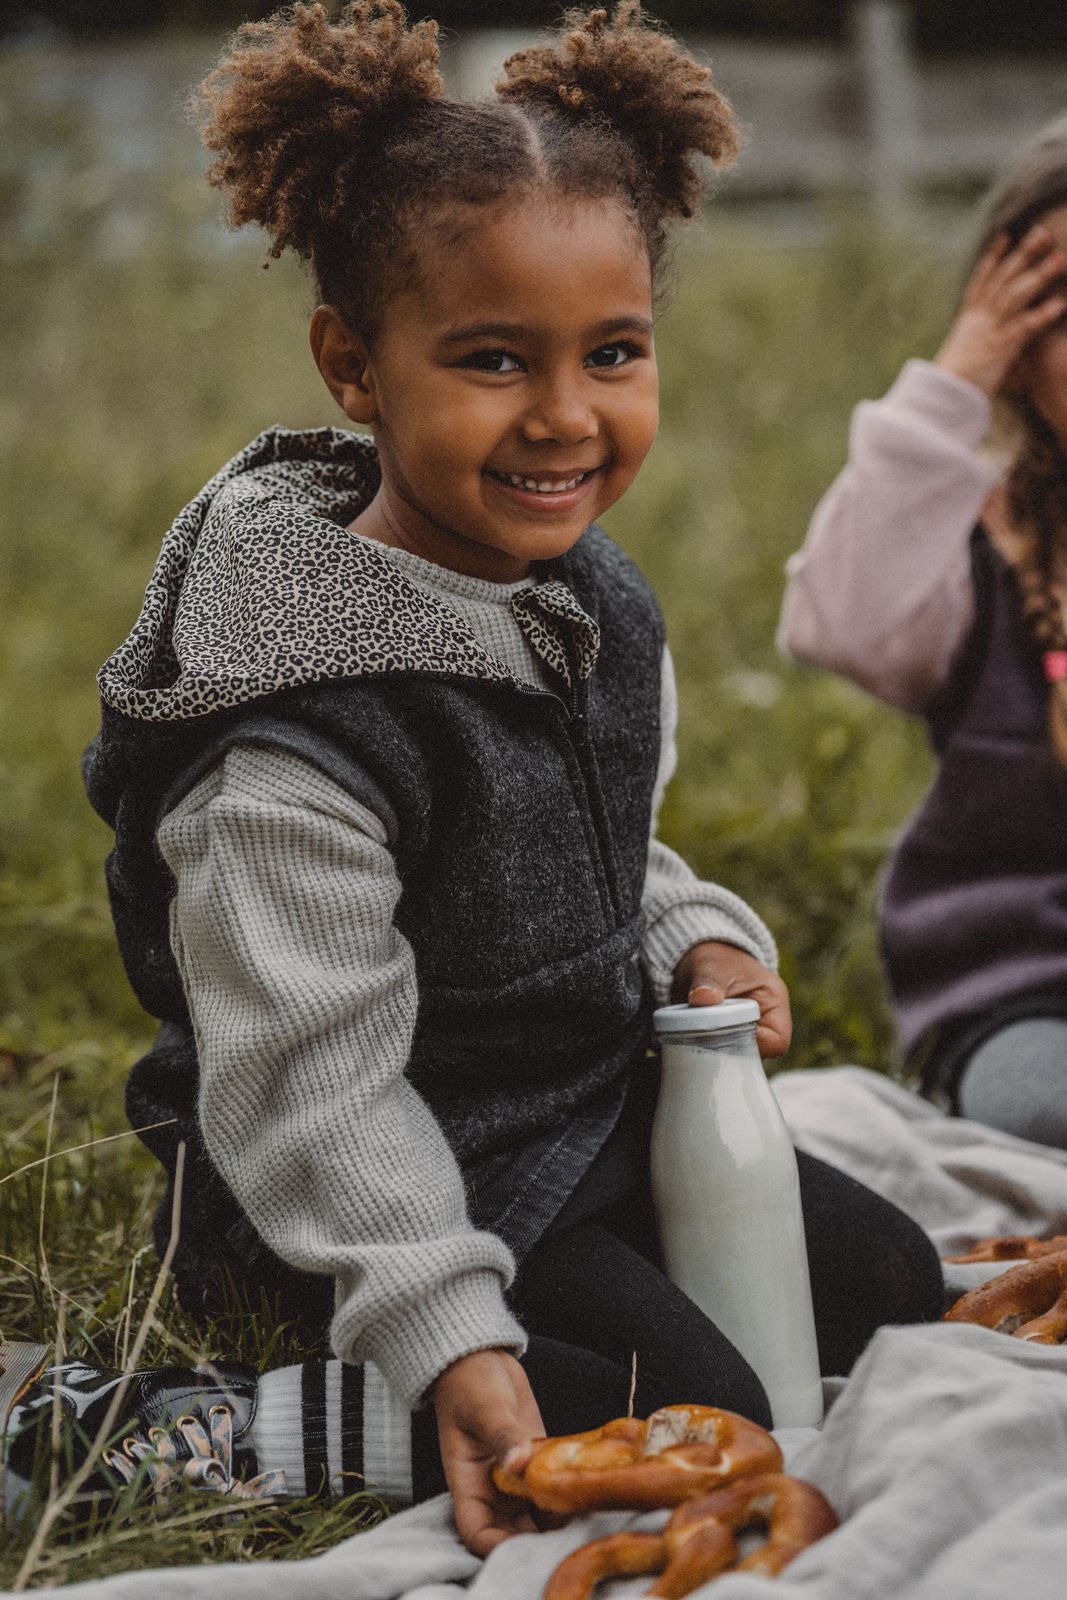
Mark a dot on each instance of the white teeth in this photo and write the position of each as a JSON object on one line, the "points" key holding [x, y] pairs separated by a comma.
{"points": [[538, 485]]}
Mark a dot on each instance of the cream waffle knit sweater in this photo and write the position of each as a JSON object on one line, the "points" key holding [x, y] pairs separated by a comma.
{"points": [[303, 996]]}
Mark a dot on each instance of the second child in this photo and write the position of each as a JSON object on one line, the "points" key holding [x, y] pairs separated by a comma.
{"points": [[934, 574]]}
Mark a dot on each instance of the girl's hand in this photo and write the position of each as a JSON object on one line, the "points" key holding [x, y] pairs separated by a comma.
{"points": [[1013, 296], [713, 971], [486, 1413]]}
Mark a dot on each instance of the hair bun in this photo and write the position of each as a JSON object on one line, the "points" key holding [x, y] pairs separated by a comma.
{"points": [[295, 101], [643, 83]]}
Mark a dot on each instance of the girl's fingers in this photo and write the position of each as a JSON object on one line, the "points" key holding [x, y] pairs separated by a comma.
{"points": [[1043, 314], [1047, 311], [518, 1457], [1015, 295], [705, 992], [1030, 248], [1026, 270], [987, 265], [484, 1522], [484, 1516], [774, 1030], [1020, 291], [775, 1027], [994, 270], [1003, 264], [486, 1412]]}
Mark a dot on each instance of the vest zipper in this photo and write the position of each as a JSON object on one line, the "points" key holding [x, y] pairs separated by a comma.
{"points": [[579, 728], [577, 725], [576, 721]]}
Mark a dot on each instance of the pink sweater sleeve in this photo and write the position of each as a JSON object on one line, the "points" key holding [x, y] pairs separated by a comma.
{"points": [[881, 590]]}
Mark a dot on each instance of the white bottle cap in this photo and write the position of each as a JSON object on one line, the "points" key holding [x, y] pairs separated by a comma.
{"points": [[705, 1019]]}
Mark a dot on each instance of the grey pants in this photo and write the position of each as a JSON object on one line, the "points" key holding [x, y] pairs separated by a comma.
{"points": [[1016, 1080]]}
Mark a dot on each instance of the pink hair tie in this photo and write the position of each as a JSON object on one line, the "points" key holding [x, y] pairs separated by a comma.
{"points": [[1055, 665]]}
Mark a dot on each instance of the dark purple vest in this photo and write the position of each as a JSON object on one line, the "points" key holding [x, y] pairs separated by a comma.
{"points": [[974, 904]]}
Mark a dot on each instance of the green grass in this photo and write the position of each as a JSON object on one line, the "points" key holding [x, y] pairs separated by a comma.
{"points": [[126, 384]]}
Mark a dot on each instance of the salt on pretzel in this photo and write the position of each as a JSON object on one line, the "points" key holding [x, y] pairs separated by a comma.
{"points": [[700, 1540], [630, 1465], [1028, 1301], [1013, 1247]]}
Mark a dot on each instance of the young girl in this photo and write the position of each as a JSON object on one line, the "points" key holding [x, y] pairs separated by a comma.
{"points": [[934, 576], [383, 754]]}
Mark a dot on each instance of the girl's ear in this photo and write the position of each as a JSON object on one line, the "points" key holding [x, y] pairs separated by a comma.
{"points": [[343, 359]]}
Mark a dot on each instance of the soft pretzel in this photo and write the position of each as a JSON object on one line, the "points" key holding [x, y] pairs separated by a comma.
{"points": [[1013, 1247], [1028, 1301], [633, 1465], [699, 1541]]}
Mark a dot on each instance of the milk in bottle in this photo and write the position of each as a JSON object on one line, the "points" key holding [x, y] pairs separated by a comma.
{"points": [[727, 1196]]}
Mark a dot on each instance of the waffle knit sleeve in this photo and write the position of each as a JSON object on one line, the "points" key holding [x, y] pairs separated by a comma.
{"points": [[880, 590], [681, 910], [303, 998]]}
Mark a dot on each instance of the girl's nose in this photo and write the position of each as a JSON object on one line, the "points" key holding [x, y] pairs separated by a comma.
{"points": [[560, 413]]}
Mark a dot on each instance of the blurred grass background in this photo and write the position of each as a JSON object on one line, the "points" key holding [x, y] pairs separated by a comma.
{"points": [[130, 378]]}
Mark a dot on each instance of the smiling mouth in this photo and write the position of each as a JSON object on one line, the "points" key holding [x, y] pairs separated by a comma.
{"points": [[546, 486]]}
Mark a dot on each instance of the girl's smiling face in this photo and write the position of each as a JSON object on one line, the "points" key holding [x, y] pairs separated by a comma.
{"points": [[511, 389]]}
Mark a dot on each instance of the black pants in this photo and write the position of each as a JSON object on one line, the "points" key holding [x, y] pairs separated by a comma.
{"points": [[592, 1292]]}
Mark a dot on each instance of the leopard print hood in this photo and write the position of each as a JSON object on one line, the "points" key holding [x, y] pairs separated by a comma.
{"points": [[260, 586]]}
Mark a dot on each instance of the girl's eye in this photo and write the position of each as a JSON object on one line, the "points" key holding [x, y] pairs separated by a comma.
{"points": [[614, 355], [492, 361]]}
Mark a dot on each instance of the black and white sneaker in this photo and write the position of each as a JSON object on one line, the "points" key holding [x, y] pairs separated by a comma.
{"points": [[174, 1425]]}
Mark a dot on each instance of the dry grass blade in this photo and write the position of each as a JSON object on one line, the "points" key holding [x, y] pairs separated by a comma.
{"points": [[42, 1254], [59, 1503], [90, 1144], [126, 1320], [18, 1134], [57, 1404]]}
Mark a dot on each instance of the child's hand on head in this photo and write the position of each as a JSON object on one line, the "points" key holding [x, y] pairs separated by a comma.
{"points": [[486, 1412], [714, 971], [1014, 294]]}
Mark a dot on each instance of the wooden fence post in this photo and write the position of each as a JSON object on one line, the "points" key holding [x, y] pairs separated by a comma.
{"points": [[882, 45]]}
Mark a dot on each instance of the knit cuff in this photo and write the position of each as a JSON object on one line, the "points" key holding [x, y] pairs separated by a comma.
{"points": [[415, 1344], [943, 401], [717, 915]]}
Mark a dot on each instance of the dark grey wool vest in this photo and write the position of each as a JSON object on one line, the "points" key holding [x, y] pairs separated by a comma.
{"points": [[519, 821], [974, 905]]}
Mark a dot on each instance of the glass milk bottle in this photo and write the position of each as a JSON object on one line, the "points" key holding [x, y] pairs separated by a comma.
{"points": [[727, 1196]]}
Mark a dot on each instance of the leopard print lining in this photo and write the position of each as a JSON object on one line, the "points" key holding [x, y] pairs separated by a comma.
{"points": [[552, 602], [259, 586]]}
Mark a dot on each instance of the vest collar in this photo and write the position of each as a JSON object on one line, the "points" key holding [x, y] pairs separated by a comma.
{"points": [[259, 586]]}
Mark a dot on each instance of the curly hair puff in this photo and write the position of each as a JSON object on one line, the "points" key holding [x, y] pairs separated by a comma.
{"points": [[637, 80], [337, 138]]}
